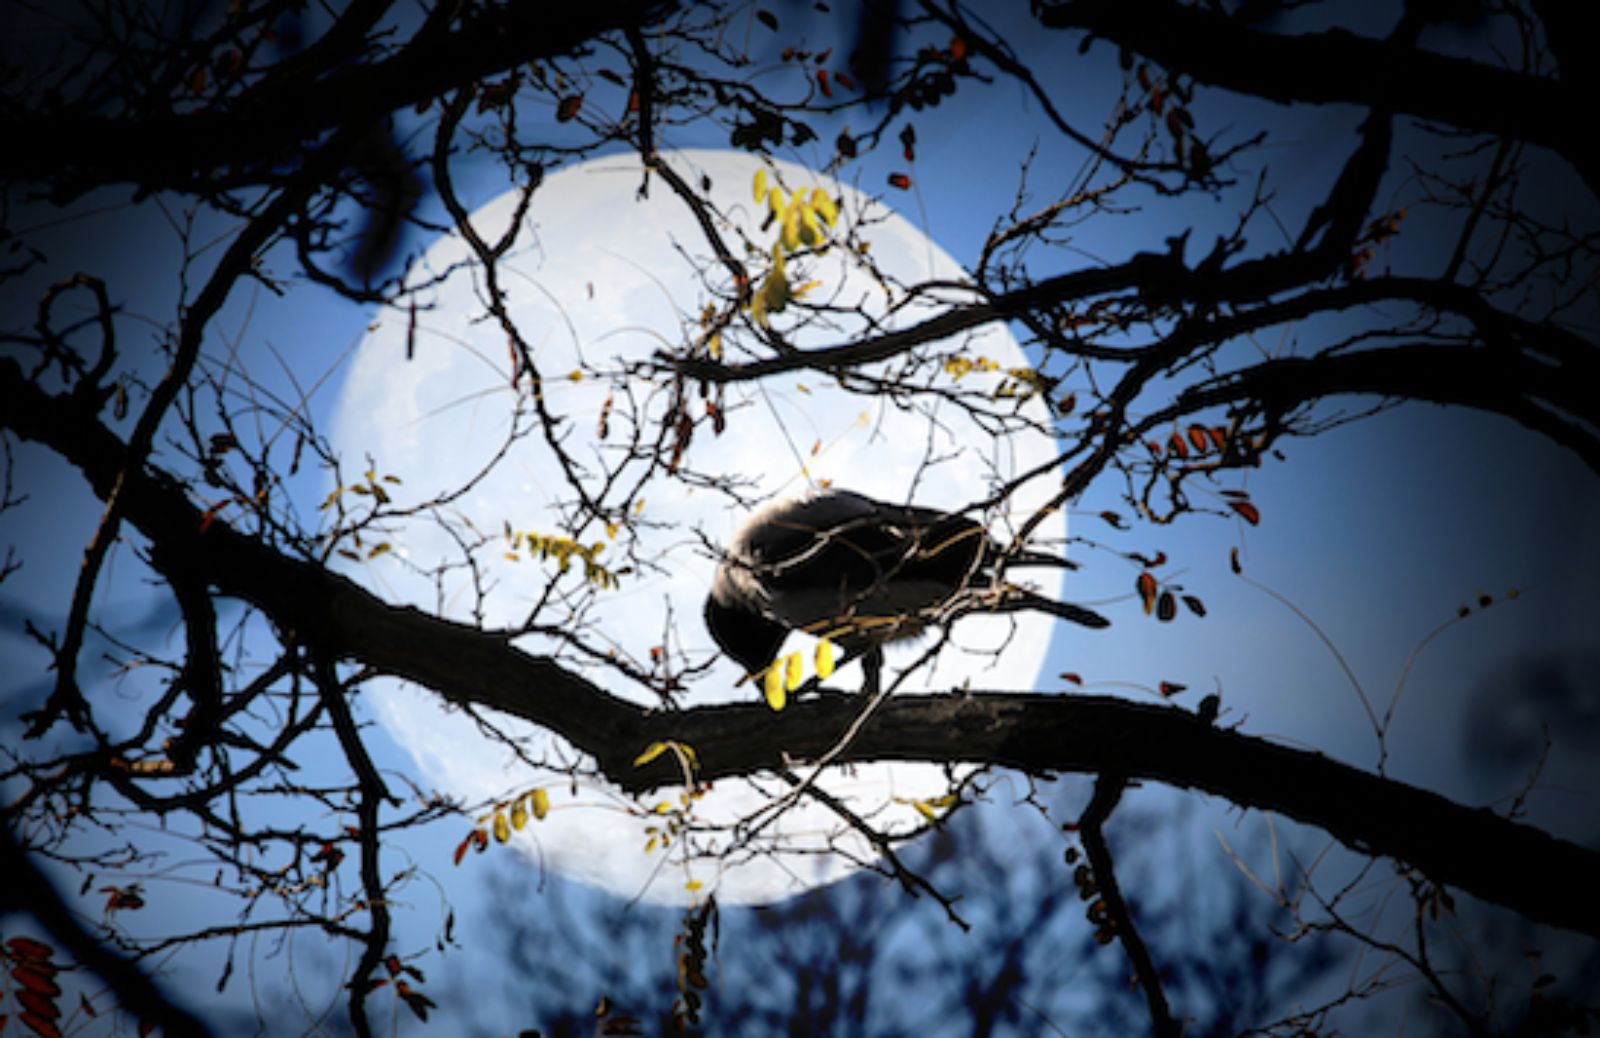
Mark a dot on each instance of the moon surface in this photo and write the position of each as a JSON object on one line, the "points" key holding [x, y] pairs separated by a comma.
{"points": [[600, 278]]}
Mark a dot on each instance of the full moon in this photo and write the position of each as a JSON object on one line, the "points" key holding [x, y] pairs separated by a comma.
{"points": [[496, 490]]}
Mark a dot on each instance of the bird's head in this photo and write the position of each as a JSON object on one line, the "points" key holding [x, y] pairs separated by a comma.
{"points": [[746, 637]]}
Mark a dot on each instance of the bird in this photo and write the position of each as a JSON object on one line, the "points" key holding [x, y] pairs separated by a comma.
{"points": [[863, 573]]}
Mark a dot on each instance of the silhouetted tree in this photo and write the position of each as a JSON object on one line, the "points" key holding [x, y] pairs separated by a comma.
{"points": [[302, 150]]}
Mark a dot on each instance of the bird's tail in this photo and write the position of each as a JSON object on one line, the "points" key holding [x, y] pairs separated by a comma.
{"points": [[1009, 598], [1006, 558]]}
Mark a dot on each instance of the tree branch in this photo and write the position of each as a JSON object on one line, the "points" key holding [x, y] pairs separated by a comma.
{"points": [[1339, 66], [269, 125], [1035, 733]]}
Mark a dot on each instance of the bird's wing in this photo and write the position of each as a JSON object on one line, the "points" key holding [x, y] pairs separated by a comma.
{"points": [[843, 541]]}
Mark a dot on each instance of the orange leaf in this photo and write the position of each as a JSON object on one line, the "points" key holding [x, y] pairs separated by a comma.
{"points": [[1179, 446], [899, 180], [1199, 438], [567, 110], [1146, 586]]}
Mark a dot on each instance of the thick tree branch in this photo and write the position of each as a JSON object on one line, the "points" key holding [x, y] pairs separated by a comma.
{"points": [[270, 125], [1108, 791], [1339, 66], [1039, 734]]}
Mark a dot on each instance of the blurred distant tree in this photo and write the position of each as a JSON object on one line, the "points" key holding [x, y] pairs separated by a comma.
{"points": [[291, 144]]}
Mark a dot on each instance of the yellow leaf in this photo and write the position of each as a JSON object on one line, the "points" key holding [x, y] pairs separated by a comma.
{"points": [[650, 753], [772, 687], [794, 671], [775, 201], [811, 229], [541, 803], [502, 830], [575, 375], [759, 189], [823, 203], [824, 659], [519, 814], [693, 885]]}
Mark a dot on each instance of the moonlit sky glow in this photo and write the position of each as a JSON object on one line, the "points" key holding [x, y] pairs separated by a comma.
{"points": [[603, 278]]}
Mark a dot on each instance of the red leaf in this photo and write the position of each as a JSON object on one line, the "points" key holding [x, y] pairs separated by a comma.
{"points": [[36, 1003], [1171, 688], [568, 108], [1251, 513], [33, 977], [1072, 677], [1166, 607], [958, 48], [39, 1025], [1219, 437], [28, 948], [1178, 445], [899, 180], [1199, 438], [822, 82]]}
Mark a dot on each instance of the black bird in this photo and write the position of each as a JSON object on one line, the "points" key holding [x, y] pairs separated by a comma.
{"points": [[861, 572]]}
